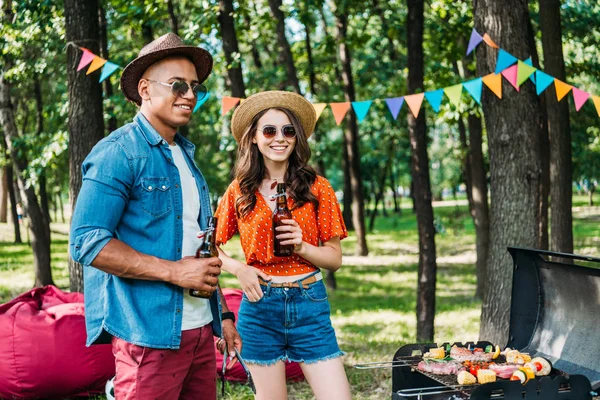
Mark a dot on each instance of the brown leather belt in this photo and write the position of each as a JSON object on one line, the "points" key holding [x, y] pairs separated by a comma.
{"points": [[305, 282]]}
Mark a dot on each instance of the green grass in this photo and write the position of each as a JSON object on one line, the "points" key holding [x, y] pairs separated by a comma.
{"points": [[373, 309]]}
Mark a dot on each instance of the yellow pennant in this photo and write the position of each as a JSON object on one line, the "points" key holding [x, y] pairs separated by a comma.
{"points": [[319, 107], [561, 89], [97, 63], [494, 83], [596, 100]]}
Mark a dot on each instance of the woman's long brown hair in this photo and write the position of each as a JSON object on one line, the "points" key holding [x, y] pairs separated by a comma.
{"points": [[250, 168]]}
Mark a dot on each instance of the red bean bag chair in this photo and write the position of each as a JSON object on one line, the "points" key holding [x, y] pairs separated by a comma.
{"points": [[293, 371], [42, 348]]}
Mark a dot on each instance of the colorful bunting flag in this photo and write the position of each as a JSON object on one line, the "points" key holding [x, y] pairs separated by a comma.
{"points": [[435, 99], [395, 104], [319, 107], [524, 71], [227, 103], [339, 111], [561, 89], [414, 102], [361, 108], [530, 63], [474, 88], [97, 63], [542, 81], [453, 93], [488, 40], [108, 70], [505, 60], [200, 103], [474, 41], [596, 100], [494, 83], [510, 74], [86, 58], [580, 98]]}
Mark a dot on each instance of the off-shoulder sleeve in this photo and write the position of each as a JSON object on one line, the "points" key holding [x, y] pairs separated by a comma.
{"points": [[227, 224], [329, 216]]}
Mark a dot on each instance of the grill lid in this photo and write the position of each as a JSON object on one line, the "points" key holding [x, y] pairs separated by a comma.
{"points": [[555, 309]]}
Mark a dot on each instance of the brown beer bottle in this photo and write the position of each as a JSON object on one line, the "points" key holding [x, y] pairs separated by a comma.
{"points": [[281, 212], [207, 249]]}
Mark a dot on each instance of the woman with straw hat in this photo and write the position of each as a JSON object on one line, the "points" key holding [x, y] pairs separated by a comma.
{"points": [[284, 315]]}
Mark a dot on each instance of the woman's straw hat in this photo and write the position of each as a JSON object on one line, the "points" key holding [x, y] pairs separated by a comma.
{"points": [[247, 110], [165, 46]]}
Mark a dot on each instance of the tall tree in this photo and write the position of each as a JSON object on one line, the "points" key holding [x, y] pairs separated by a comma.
{"points": [[513, 125], [43, 193], [559, 131], [235, 79], [108, 87], [3, 195], [285, 52], [86, 125], [417, 130]]}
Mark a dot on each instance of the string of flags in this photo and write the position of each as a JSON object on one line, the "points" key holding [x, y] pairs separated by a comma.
{"points": [[96, 62]]}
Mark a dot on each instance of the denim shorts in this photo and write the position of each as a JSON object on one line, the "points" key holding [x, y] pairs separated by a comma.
{"points": [[289, 324]]}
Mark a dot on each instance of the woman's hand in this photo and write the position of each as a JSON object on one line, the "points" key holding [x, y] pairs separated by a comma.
{"points": [[248, 277], [292, 233]]}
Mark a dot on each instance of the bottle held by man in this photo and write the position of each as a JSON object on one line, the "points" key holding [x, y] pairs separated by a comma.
{"points": [[207, 249], [281, 212]]}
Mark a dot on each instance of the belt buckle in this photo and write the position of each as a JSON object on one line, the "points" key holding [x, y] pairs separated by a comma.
{"points": [[287, 284]]}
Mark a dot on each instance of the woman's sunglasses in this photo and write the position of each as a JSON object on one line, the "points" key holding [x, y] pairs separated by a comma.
{"points": [[180, 88], [270, 131]]}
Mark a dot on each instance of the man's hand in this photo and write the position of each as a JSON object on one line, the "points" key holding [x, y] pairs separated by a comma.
{"points": [[197, 273], [232, 338]]}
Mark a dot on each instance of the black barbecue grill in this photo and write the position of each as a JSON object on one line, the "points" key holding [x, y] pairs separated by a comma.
{"points": [[555, 309]]}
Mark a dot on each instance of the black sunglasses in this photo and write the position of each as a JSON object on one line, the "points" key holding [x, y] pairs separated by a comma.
{"points": [[270, 131], [180, 88]]}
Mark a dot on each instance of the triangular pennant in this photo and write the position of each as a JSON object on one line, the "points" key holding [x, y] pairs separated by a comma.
{"points": [[108, 70], [494, 83], [510, 74], [201, 102], [530, 63], [96, 64], [488, 40], [435, 98], [414, 102], [524, 71], [596, 100], [227, 103], [453, 93], [395, 104], [542, 81], [561, 89], [580, 98], [361, 108], [339, 111], [86, 58], [505, 60], [474, 41], [474, 88], [319, 107]]}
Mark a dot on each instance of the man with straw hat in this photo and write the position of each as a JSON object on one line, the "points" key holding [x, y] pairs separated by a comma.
{"points": [[141, 204]]}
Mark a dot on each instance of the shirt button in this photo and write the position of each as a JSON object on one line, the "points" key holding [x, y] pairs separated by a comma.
{"points": [[168, 159], [164, 187], [179, 217], [149, 187], [178, 311], [176, 186], [179, 250]]}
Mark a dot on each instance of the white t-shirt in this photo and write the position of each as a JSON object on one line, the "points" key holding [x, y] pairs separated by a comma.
{"points": [[196, 311]]}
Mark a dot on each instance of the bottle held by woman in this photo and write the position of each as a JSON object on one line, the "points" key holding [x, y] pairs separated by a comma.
{"points": [[281, 213]]}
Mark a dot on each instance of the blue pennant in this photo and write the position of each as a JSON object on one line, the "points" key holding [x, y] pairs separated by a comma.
{"points": [[361, 108], [505, 60], [543, 80], [435, 98], [474, 88]]}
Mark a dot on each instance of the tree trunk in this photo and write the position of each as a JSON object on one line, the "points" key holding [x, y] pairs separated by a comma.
{"points": [[351, 138], [13, 202], [513, 128], [37, 89], [3, 197], [230, 47], [417, 130], [108, 87], [173, 17], [61, 208], [86, 125], [591, 194], [394, 187], [559, 131], [285, 52], [379, 194]]}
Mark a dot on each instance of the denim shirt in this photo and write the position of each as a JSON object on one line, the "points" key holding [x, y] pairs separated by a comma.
{"points": [[131, 191]]}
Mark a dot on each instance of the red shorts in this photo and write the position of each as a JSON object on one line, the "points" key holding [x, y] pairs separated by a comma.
{"points": [[187, 373]]}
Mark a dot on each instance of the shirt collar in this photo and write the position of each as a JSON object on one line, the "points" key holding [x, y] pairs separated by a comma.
{"points": [[150, 134]]}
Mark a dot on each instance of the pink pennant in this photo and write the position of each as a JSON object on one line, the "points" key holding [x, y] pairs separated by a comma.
{"points": [[580, 98], [510, 74], [86, 58]]}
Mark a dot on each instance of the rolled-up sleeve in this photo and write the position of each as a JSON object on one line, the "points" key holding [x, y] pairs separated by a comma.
{"points": [[107, 181]]}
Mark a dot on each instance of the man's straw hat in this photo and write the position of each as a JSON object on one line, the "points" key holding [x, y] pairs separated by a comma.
{"points": [[247, 110], [165, 46]]}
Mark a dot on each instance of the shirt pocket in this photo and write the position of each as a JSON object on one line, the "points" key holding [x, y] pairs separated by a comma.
{"points": [[156, 196]]}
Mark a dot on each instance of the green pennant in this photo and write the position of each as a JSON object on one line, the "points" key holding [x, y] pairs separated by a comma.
{"points": [[453, 93], [524, 71]]}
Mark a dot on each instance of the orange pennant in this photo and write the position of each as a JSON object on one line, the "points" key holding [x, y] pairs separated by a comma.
{"points": [[494, 83], [488, 40], [561, 89], [97, 63], [339, 111], [414, 102], [227, 103], [319, 107], [596, 100]]}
